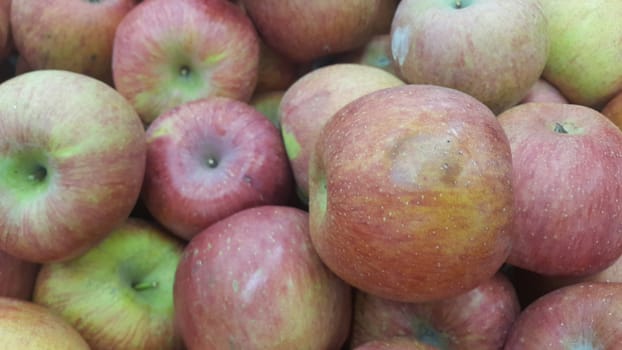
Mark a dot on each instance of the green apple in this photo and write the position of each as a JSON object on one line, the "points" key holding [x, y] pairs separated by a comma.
{"points": [[584, 57], [119, 294]]}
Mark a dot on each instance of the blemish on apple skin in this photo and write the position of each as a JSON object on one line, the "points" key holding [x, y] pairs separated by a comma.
{"points": [[400, 44]]}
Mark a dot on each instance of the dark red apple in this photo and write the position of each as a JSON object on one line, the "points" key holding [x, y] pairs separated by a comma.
{"points": [[17, 277], [397, 343]]}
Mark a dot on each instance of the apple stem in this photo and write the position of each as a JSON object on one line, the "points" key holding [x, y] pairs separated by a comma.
{"points": [[458, 4], [145, 285], [560, 129]]}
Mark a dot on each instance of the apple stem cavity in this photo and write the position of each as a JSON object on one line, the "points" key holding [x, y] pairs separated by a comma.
{"points": [[211, 162], [458, 4], [38, 174], [184, 71], [140, 286]]}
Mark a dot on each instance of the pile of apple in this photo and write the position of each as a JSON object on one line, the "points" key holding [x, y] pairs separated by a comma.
{"points": [[323, 175]]}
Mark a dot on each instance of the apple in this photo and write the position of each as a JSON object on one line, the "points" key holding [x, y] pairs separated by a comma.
{"points": [[543, 91], [493, 50], [581, 316], [566, 172], [396, 343], [313, 99], [17, 277], [375, 53], [613, 109], [26, 325], [254, 281], [169, 52], [411, 193], [6, 37], [582, 62], [209, 158], [477, 319], [275, 71], [268, 104], [119, 294], [72, 161], [305, 31], [68, 34]]}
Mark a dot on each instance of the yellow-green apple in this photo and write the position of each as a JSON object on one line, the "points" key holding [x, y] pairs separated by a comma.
{"points": [[583, 63], [72, 161], [577, 317], [375, 53], [396, 343], [307, 30], [119, 294], [313, 99], [477, 319], [493, 50], [169, 52], [543, 91], [411, 193], [74, 35], [254, 281], [17, 277], [28, 326], [268, 104], [209, 158], [567, 162]]}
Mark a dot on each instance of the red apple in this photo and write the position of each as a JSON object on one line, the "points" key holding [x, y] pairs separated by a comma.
{"points": [[17, 277], [26, 325], [613, 109], [396, 343], [543, 91], [6, 37], [253, 281], [307, 30], [581, 316], [567, 166], [68, 34], [477, 319], [411, 193], [210, 158], [493, 50], [313, 99], [169, 52], [72, 161]]}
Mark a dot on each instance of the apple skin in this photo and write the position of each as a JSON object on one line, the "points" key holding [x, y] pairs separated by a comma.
{"points": [[68, 35], [185, 192], [268, 104], [17, 277], [411, 193], [396, 343], [569, 223], [543, 91], [375, 53], [313, 99], [70, 171], [275, 71], [305, 31], [477, 319], [108, 295], [26, 325], [582, 63], [6, 37], [253, 281], [433, 42], [581, 316], [169, 52], [613, 110]]}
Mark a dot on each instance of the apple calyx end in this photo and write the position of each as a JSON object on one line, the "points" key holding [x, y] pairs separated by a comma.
{"points": [[559, 128]]}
